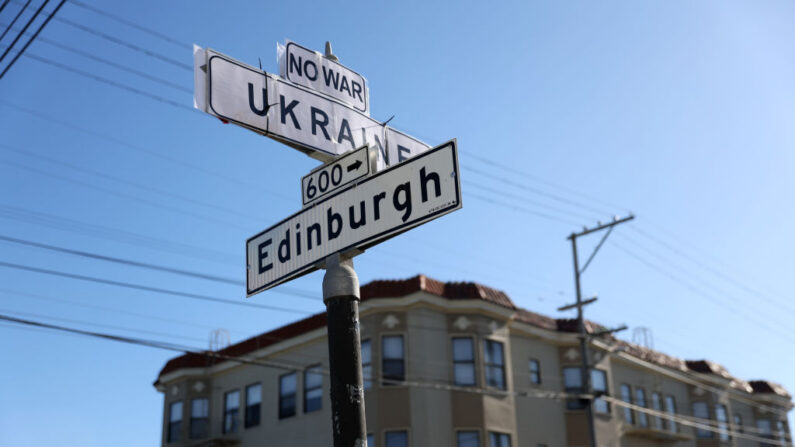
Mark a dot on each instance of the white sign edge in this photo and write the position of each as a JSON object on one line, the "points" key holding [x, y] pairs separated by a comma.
{"points": [[372, 240]]}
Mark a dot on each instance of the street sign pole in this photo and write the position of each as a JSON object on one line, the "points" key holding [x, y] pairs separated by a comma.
{"points": [[341, 296]]}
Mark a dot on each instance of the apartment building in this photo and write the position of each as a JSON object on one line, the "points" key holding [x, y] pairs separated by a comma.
{"points": [[460, 365]]}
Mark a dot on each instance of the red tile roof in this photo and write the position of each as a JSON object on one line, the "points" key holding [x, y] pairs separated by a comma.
{"points": [[766, 387], [458, 291]]}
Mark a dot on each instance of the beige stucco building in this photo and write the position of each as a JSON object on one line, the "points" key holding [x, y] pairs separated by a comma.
{"points": [[459, 365]]}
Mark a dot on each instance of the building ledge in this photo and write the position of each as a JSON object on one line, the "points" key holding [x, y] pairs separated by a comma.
{"points": [[656, 434], [214, 442]]}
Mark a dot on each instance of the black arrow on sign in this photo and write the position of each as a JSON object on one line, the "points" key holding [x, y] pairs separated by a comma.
{"points": [[354, 166]]}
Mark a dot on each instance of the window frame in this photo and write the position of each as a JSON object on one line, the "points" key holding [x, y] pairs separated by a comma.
{"points": [[195, 420], [235, 412], [535, 376], [700, 432], [657, 405], [499, 434], [178, 431], [642, 417], [367, 379], [468, 430], [605, 392], [472, 363], [673, 427], [397, 430], [394, 382], [487, 366], [306, 389], [282, 397], [724, 430], [246, 419], [629, 415], [737, 420]]}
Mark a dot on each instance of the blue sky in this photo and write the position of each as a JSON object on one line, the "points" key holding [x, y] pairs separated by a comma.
{"points": [[678, 111]]}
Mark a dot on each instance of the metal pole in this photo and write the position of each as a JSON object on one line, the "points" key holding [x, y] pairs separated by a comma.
{"points": [[341, 296], [586, 362]]}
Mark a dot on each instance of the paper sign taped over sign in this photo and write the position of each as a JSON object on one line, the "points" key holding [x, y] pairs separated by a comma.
{"points": [[313, 123], [311, 69]]}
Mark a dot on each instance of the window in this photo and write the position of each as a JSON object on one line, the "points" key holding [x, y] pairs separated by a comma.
{"points": [[287, 389], [396, 438], [738, 423], [495, 364], [656, 405], [599, 387], [722, 416], [626, 396], [670, 408], [572, 382], [370, 440], [463, 361], [231, 410], [701, 411], [313, 389], [174, 421], [535, 372], [253, 402], [393, 368], [640, 400], [765, 430], [781, 428], [499, 439], [367, 364], [199, 417], [468, 439]]}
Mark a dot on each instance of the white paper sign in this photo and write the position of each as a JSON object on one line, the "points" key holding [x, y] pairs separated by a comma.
{"points": [[313, 123], [354, 218], [311, 69]]}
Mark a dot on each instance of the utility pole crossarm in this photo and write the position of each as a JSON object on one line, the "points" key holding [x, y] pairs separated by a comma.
{"points": [[579, 305]]}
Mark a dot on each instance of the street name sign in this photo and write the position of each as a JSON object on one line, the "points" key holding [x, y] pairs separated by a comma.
{"points": [[311, 69], [311, 122], [326, 179], [356, 217]]}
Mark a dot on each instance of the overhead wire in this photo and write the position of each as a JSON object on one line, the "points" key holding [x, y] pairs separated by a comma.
{"points": [[25, 28], [35, 35], [131, 197], [147, 288], [485, 199], [131, 24], [14, 20], [703, 424], [111, 63]]}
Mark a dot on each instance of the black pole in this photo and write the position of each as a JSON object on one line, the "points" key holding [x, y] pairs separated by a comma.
{"points": [[341, 295], [583, 335]]}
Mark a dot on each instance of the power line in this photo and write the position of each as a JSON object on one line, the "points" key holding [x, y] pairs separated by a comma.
{"points": [[131, 24], [124, 43], [538, 191], [109, 309], [129, 262], [19, 36], [134, 198], [103, 175], [116, 235], [526, 175], [150, 288], [36, 34], [110, 63], [16, 17], [741, 313], [110, 82], [157, 154]]}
